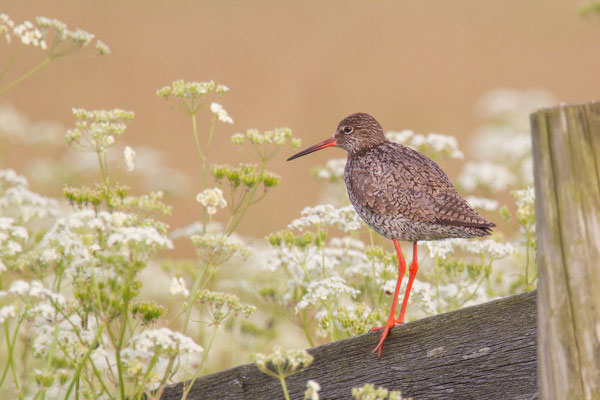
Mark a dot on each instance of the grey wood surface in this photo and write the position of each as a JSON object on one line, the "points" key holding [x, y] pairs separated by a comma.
{"points": [[566, 150], [482, 352]]}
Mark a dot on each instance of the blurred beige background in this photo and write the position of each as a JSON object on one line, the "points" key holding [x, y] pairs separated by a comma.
{"points": [[417, 65]]}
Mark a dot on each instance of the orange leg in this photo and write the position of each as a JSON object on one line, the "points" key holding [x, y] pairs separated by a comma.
{"points": [[412, 272], [392, 317]]}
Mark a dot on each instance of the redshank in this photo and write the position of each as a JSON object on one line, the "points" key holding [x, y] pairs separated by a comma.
{"points": [[401, 194]]}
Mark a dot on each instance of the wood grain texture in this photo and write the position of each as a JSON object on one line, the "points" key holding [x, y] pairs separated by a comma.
{"points": [[566, 151], [483, 352]]}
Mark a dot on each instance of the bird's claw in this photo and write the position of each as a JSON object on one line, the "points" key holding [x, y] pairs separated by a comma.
{"points": [[390, 324], [379, 328]]}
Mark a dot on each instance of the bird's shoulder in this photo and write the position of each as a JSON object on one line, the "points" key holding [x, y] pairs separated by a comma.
{"points": [[393, 179]]}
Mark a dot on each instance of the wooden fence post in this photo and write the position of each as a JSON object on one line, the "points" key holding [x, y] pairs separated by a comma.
{"points": [[566, 152]]}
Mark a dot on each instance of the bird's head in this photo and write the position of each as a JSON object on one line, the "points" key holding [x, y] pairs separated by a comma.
{"points": [[356, 133]]}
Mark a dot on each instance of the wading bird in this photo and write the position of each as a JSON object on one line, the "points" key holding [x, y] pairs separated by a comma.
{"points": [[401, 194]]}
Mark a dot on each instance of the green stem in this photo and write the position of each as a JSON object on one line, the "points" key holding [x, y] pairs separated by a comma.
{"points": [[199, 148], [84, 360], [11, 360], [204, 356], [102, 169], [192, 296], [119, 361], [284, 387], [26, 75], [12, 58], [527, 258], [247, 203], [437, 286], [305, 329], [210, 133]]}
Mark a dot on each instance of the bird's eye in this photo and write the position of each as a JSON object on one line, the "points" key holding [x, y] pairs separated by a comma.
{"points": [[347, 130]]}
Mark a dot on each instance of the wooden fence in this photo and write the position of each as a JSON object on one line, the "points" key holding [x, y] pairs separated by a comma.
{"points": [[488, 351], [483, 352], [566, 151]]}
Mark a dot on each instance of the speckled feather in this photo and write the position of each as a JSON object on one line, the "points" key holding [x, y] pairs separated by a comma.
{"points": [[399, 192]]}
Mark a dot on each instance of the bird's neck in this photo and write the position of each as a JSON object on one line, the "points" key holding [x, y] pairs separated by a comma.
{"points": [[367, 146]]}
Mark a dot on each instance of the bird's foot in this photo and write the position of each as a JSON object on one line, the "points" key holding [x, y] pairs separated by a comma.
{"points": [[380, 328], [391, 322]]}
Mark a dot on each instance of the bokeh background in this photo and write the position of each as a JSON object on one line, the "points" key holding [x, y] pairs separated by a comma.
{"points": [[413, 65]]}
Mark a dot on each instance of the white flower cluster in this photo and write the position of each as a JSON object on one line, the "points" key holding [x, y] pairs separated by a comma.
{"points": [[35, 295], [431, 143], [525, 197], [6, 26], [78, 37], [80, 237], [221, 113], [16, 126], [151, 342], [218, 248], [369, 392], [7, 312], [323, 290], [284, 362], [182, 89], [23, 205], [513, 105], [277, 136], [482, 203], [344, 218], [505, 137], [129, 155], [486, 247], [47, 31], [11, 238], [178, 286], [487, 175], [211, 199], [333, 170], [525, 200], [312, 390], [29, 34], [74, 340], [102, 127]]}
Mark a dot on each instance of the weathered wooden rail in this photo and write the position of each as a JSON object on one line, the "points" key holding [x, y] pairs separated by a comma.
{"points": [[482, 352], [566, 150], [488, 351]]}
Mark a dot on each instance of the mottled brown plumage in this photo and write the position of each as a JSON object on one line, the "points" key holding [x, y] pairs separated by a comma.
{"points": [[401, 194]]}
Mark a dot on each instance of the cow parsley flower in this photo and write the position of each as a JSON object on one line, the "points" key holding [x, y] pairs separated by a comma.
{"points": [[323, 290], [332, 171], [369, 392], [178, 286], [7, 312], [482, 203], [486, 174], [487, 247], [312, 390], [96, 130], [6, 26], [344, 218], [432, 143], [164, 340], [439, 248], [221, 113], [129, 155], [211, 199], [29, 34], [283, 362]]}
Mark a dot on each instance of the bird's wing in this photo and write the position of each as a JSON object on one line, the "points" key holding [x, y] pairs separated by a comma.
{"points": [[399, 181]]}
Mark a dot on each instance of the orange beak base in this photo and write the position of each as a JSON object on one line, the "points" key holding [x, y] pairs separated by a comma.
{"points": [[325, 143]]}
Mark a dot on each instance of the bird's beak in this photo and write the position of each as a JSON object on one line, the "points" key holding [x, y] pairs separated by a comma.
{"points": [[325, 143]]}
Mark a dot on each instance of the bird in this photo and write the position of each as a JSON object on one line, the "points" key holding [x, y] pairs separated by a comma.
{"points": [[401, 194]]}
